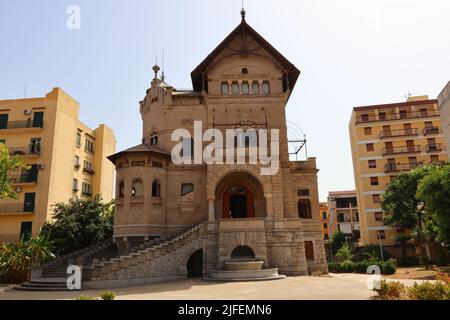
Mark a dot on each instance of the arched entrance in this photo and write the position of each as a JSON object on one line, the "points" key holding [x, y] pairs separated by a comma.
{"points": [[239, 195], [242, 252], [238, 202], [195, 264]]}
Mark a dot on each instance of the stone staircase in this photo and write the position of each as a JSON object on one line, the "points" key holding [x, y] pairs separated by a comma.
{"points": [[102, 262], [165, 258]]}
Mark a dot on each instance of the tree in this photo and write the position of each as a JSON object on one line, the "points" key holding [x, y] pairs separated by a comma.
{"points": [[401, 204], [8, 164], [337, 241], [80, 223], [403, 240], [344, 254], [434, 191]]}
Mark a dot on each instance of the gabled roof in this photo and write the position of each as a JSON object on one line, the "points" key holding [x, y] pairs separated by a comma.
{"points": [[139, 149], [292, 72]]}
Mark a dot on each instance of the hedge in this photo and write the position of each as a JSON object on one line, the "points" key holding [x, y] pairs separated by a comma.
{"points": [[387, 267]]}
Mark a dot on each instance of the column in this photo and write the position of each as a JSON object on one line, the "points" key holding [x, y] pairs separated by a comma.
{"points": [[211, 210]]}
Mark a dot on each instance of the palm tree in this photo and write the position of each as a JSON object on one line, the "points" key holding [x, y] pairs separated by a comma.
{"points": [[422, 239]]}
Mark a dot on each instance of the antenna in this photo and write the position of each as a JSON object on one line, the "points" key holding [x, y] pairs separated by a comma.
{"points": [[243, 11], [25, 92], [162, 75]]}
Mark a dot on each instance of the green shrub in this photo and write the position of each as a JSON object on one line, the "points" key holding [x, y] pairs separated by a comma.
{"points": [[84, 298], [361, 266], [429, 291], [108, 295], [389, 266], [389, 290], [344, 254]]}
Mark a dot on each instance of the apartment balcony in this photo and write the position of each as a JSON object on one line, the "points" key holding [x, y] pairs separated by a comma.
{"points": [[401, 150], [77, 166], [23, 178], [86, 194], [20, 125], [430, 130], [88, 171], [399, 133], [396, 116], [433, 147], [15, 208], [25, 151], [392, 167]]}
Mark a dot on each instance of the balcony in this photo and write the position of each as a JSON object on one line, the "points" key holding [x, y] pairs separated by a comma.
{"points": [[15, 208], [392, 167], [24, 177], [399, 133], [433, 147], [77, 166], [88, 171], [400, 150], [396, 116], [86, 193], [430, 130], [25, 151], [20, 125]]}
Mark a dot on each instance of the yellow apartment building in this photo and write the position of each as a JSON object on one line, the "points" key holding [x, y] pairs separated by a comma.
{"points": [[444, 111], [65, 158], [325, 219], [387, 140]]}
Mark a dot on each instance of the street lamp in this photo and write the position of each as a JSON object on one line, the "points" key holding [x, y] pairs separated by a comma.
{"points": [[381, 246]]}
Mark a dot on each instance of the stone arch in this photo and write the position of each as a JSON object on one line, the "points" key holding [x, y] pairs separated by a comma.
{"points": [[216, 174], [243, 252], [194, 265]]}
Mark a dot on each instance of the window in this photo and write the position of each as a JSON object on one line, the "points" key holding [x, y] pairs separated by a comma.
{"points": [[156, 189], [77, 162], [186, 188], [365, 117], [245, 88], [157, 164], [374, 181], [244, 71], [403, 114], [428, 124], [370, 147], [382, 116], [423, 112], [309, 250], [381, 234], [28, 205], [137, 188], [86, 189], [378, 216], [38, 120], [325, 225], [75, 185], [324, 215], [225, 88], [78, 139], [434, 159], [35, 146], [368, 131], [303, 193], [372, 164], [138, 163], [121, 189], [266, 87], [4, 121], [26, 228], [376, 198], [255, 87], [89, 146], [2, 141], [154, 139], [304, 209], [235, 88], [326, 236]]}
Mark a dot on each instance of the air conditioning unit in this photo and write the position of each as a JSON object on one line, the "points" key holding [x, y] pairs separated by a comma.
{"points": [[27, 111], [17, 189], [41, 166]]}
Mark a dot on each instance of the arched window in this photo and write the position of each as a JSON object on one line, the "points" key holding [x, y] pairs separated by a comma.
{"points": [[266, 87], [255, 87], [244, 70], [186, 188], [235, 88], [245, 88], [156, 189], [121, 189], [304, 209], [154, 139], [137, 188], [225, 88]]}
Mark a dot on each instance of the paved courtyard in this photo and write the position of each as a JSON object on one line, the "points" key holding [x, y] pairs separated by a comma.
{"points": [[332, 287]]}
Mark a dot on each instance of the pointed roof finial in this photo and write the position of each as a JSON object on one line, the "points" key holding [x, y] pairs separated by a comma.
{"points": [[243, 11]]}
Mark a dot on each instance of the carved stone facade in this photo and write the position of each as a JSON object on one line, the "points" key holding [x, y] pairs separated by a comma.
{"points": [[244, 83]]}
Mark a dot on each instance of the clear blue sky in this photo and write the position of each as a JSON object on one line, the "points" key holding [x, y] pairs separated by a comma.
{"points": [[351, 52]]}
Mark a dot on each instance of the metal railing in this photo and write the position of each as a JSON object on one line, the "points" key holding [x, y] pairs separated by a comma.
{"points": [[398, 150], [430, 130], [433, 147], [25, 151], [12, 208], [399, 133], [20, 124], [88, 171], [24, 177], [393, 167], [396, 116]]}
